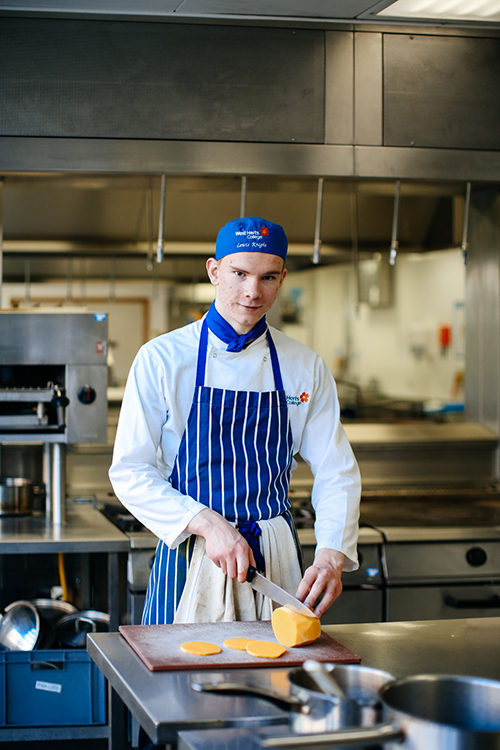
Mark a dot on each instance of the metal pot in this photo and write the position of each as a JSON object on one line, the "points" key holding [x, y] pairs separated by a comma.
{"points": [[72, 629], [426, 711], [50, 611], [313, 711], [16, 496], [20, 627], [53, 609]]}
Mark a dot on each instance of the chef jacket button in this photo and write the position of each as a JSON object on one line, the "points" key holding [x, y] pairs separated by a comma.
{"points": [[265, 359], [214, 355]]}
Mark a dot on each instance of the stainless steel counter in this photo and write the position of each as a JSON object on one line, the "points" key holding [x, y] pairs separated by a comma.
{"points": [[465, 646], [86, 530], [165, 704], [423, 433], [147, 540]]}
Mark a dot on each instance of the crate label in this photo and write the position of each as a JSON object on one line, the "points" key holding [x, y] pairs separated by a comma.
{"points": [[51, 687]]}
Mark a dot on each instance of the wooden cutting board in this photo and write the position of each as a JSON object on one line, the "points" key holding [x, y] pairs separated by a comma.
{"points": [[159, 646]]}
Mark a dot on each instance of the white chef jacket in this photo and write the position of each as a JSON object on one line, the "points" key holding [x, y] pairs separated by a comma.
{"points": [[155, 408]]}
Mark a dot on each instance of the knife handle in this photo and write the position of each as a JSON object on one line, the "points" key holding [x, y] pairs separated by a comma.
{"points": [[251, 573]]}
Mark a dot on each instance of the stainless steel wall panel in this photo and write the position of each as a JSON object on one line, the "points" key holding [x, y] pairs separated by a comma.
{"points": [[61, 155], [368, 89], [482, 387], [441, 91], [339, 87], [427, 164], [114, 79], [174, 157]]}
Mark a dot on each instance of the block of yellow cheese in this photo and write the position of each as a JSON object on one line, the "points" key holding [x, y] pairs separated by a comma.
{"points": [[293, 628]]}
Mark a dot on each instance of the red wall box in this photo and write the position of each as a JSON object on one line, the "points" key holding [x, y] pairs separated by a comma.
{"points": [[50, 688]]}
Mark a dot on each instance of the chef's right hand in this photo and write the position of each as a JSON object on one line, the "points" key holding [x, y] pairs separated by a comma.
{"points": [[225, 546]]}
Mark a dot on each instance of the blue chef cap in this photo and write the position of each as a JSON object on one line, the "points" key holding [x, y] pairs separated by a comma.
{"points": [[251, 234]]}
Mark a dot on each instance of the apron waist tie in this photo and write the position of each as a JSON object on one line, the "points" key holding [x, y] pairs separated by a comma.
{"points": [[250, 531]]}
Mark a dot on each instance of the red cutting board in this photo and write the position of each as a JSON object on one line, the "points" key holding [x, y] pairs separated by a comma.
{"points": [[159, 646]]}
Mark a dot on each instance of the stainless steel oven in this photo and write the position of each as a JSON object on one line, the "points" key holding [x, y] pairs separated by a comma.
{"points": [[53, 392], [440, 554]]}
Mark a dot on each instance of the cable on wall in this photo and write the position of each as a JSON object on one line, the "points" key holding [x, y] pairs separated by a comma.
{"points": [[395, 222], [465, 231], [317, 229], [159, 246]]}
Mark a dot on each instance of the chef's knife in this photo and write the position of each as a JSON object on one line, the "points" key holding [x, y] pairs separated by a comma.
{"points": [[264, 586]]}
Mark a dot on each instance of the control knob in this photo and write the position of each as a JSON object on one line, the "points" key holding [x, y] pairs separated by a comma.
{"points": [[476, 556], [86, 394]]}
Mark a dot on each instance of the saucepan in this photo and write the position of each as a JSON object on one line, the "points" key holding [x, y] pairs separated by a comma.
{"points": [[424, 711], [311, 710]]}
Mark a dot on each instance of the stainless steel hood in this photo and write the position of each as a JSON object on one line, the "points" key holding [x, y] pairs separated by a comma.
{"points": [[109, 223], [311, 11]]}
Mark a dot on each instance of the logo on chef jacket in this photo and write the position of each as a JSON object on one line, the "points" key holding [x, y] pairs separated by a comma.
{"points": [[298, 400], [253, 238]]}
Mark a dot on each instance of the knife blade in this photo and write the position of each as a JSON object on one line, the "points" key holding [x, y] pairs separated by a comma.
{"points": [[266, 587]]}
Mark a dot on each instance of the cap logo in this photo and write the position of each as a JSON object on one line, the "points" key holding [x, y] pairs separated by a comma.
{"points": [[251, 234]]}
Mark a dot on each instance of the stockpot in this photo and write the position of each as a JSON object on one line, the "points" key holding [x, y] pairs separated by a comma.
{"points": [[313, 711], [423, 712], [72, 629], [16, 496]]}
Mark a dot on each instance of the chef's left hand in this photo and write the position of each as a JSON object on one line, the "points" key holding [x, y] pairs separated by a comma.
{"points": [[323, 576]]}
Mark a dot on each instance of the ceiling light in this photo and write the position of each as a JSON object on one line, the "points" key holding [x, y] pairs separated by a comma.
{"points": [[470, 10]]}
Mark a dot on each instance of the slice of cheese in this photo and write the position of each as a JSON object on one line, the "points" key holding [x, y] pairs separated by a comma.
{"points": [[293, 628], [239, 644], [200, 648], [265, 649]]}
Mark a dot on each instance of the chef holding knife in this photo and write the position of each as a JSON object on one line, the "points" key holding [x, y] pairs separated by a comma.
{"points": [[212, 416]]}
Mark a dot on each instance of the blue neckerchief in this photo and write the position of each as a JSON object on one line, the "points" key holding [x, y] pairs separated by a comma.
{"points": [[226, 333]]}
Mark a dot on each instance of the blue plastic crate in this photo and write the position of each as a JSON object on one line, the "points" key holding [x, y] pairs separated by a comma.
{"points": [[51, 688]]}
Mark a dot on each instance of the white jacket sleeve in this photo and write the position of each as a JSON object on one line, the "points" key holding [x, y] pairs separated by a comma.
{"points": [[337, 481], [137, 475]]}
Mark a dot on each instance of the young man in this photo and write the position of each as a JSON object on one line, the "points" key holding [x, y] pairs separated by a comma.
{"points": [[212, 416]]}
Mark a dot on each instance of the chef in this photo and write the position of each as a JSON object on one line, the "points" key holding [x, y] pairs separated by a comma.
{"points": [[212, 416]]}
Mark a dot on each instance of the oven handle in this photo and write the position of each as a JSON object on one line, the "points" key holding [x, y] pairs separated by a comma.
{"points": [[492, 603]]}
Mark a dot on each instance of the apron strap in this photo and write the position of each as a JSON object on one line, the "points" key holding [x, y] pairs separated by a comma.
{"points": [[278, 382], [202, 355], [202, 358]]}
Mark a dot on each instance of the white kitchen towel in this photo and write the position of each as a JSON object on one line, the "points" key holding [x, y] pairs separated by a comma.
{"points": [[211, 596]]}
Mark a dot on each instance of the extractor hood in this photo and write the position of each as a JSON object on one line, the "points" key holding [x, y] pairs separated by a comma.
{"points": [[96, 220]]}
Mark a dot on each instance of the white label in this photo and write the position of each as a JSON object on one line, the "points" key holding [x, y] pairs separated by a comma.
{"points": [[51, 687]]}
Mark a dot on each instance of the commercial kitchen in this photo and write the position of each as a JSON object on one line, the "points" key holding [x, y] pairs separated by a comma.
{"points": [[129, 134]]}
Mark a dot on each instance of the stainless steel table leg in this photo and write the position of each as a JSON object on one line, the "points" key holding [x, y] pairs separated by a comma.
{"points": [[117, 722], [116, 575]]}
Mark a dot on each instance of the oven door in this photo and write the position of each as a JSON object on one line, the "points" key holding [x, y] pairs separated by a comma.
{"points": [[442, 602]]}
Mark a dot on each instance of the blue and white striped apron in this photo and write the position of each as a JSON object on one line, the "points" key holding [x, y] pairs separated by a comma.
{"points": [[235, 457]]}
